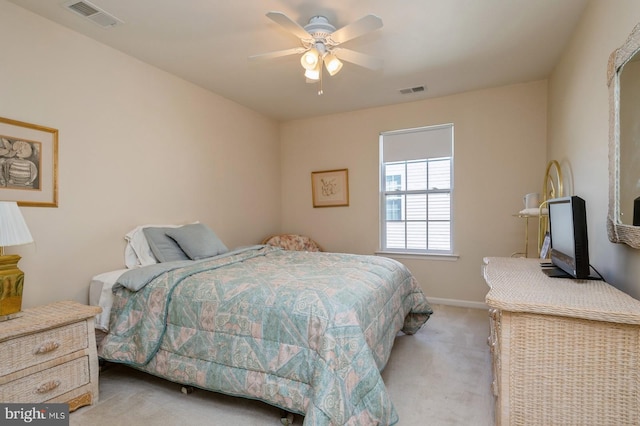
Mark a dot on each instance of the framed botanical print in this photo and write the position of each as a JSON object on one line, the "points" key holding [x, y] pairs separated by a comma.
{"points": [[330, 188]]}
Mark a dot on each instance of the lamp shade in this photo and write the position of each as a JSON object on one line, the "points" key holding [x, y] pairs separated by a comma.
{"points": [[13, 228], [310, 59], [333, 64], [314, 74]]}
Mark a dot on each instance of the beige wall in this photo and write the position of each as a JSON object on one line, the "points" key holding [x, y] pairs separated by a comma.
{"points": [[499, 150], [578, 129], [137, 145]]}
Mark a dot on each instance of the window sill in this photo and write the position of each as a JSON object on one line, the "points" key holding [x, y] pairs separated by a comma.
{"points": [[426, 256]]}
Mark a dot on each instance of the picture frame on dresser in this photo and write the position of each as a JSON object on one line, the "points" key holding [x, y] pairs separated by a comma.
{"points": [[28, 163], [546, 245]]}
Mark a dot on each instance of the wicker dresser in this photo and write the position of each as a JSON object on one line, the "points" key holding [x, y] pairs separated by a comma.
{"points": [[564, 351], [48, 354]]}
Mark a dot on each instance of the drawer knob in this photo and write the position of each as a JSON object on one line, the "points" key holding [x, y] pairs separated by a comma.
{"points": [[48, 386], [47, 347]]}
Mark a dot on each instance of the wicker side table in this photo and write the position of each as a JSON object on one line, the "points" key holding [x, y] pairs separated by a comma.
{"points": [[49, 354], [564, 351]]}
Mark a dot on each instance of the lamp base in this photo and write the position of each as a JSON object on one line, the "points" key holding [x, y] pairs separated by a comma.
{"points": [[11, 316], [11, 284]]}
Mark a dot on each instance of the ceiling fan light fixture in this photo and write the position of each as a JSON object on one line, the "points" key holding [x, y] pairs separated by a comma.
{"points": [[319, 40], [314, 74], [333, 64], [310, 59]]}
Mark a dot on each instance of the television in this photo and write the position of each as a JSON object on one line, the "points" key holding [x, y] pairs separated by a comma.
{"points": [[569, 245]]}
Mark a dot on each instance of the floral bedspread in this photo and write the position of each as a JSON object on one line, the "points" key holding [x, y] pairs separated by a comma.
{"points": [[308, 332]]}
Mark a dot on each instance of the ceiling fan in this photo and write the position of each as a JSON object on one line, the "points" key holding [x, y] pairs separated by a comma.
{"points": [[320, 45]]}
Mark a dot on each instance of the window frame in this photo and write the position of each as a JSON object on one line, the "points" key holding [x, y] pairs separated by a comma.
{"points": [[383, 193]]}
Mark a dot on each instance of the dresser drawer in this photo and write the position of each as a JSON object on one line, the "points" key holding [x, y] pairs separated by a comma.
{"points": [[23, 352], [47, 384]]}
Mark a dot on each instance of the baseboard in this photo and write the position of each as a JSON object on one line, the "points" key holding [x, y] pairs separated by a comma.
{"points": [[457, 302]]}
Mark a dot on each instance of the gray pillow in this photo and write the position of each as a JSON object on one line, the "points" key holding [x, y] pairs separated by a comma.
{"points": [[164, 248], [198, 241]]}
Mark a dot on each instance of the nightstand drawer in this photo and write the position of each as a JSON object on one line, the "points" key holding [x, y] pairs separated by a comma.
{"points": [[47, 384], [48, 354], [24, 352]]}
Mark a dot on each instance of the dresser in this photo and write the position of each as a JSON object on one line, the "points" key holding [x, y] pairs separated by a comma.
{"points": [[563, 351], [49, 354]]}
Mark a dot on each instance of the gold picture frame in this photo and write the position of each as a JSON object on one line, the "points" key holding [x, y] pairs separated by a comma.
{"points": [[28, 164], [330, 188]]}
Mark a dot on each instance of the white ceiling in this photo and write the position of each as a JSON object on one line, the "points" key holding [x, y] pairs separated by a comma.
{"points": [[448, 46]]}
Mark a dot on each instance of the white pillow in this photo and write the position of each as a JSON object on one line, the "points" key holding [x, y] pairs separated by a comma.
{"points": [[137, 252]]}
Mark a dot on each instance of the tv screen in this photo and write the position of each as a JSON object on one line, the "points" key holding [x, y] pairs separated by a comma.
{"points": [[568, 231]]}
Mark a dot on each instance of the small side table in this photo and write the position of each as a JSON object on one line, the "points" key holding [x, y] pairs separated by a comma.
{"points": [[526, 218], [49, 354], [525, 253]]}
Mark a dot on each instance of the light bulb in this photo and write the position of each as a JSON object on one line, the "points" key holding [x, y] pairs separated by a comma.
{"points": [[313, 74], [333, 64], [309, 59]]}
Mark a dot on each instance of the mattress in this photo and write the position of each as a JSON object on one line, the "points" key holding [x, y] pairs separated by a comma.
{"points": [[101, 294]]}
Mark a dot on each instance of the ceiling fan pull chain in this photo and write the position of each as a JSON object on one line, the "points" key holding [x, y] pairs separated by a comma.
{"points": [[320, 91]]}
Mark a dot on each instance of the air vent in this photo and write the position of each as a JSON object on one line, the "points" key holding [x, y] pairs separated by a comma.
{"points": [[410, 90], [93, 13]]}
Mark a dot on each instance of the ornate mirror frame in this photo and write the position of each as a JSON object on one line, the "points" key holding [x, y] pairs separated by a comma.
{"points": [[619, 232]]}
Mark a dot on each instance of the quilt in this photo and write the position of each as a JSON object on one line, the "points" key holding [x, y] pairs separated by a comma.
{"points": [[305, 331]]}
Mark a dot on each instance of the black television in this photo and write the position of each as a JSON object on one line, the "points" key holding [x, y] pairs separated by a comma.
{"points": [[569, 244]]}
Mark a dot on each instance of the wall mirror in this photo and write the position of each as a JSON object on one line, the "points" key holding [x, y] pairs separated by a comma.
{"points": [[623, 78]]}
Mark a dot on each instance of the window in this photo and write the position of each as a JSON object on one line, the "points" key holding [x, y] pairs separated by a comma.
{"points": [[416, 190]]}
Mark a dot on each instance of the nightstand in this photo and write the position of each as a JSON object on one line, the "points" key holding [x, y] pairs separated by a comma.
{"points": [[49, 354]]}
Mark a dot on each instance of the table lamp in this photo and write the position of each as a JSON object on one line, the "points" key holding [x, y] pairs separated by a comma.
{"points": [[13, 232]]}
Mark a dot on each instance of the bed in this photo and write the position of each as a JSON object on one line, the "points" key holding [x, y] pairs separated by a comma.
{"points": [[308, 332]]}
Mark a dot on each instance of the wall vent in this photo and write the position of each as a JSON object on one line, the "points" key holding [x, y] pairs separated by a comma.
{"points": [[410, 90], [93, 13]]}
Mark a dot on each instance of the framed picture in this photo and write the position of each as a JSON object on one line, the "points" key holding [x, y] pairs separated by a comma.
{"points": [[330, 188], [546, 245], [28, 164]]}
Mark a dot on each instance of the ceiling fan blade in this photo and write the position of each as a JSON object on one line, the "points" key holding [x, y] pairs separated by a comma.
{"points": [[358, 58], [356, 29], [278, 53], [289, 24]]}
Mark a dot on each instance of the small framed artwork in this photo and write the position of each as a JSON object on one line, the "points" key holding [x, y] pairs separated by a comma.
{"points": [[330, 188], [546, 245], [28, 164]]}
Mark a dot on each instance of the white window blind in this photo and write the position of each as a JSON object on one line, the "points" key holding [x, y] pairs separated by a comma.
{"points": [[416, 190]]}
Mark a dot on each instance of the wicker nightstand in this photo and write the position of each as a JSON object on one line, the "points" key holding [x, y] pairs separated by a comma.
{"points": [[48, 354], [564, 351]]}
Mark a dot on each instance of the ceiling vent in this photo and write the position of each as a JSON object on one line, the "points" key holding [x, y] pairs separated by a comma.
{"points": [[410, 90], [93, 13]]}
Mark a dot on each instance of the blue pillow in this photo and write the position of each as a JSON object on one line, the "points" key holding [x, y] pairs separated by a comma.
{"points": [[198, 241], [164, 248]]}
